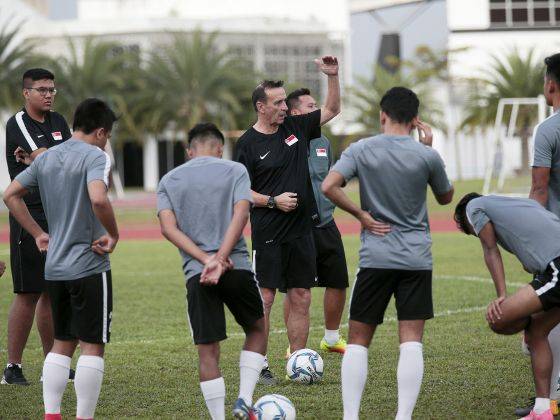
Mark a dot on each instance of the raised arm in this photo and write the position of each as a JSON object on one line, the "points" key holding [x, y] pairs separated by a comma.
{"points": [[331, 108], [332, 188]]}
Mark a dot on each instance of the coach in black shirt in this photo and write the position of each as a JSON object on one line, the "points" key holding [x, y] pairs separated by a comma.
{"points": [[30, 132], [275, 152]]}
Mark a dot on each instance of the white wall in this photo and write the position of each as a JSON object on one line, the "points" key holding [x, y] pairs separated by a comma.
{"points": [[468, 14], [482, 45]]}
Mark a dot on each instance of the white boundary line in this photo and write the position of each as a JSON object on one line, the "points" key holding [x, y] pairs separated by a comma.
{"points": [[441, 314]]}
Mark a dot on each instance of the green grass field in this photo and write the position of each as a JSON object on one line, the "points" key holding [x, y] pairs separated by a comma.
{"points": [[151, 363]]}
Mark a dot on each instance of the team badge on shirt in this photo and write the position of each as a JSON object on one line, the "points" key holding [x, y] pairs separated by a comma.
{"points": [[321, 152], [57, 135], [291, 140]]}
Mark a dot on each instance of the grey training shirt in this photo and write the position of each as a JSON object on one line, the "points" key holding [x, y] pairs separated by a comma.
{"points": [[320, 160], [62, 175], [394, 172], [202, 193], [522, 226], [547, 155]]}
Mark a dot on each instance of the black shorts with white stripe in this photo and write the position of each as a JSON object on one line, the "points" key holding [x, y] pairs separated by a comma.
{"points": [[82, 308], [546, 285], [237, 289]]}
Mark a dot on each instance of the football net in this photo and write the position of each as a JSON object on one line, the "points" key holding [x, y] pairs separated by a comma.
{"points": [[508, 171]]}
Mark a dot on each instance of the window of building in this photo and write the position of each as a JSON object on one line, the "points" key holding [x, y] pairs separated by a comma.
{"points": [[524, 13]]}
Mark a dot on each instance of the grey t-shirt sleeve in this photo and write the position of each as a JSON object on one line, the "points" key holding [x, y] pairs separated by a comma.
{"points": [[28, 178], [163, 201], [438, 177], [347, 165], [476, 215], [98, 168], [543, 149], [242, 186]]}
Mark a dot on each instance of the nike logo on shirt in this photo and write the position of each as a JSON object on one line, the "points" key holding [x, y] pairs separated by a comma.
{"points": [[40, 135], [265, 155]]}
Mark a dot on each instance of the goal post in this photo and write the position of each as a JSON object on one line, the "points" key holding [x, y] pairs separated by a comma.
{"points": [[500, 175]]}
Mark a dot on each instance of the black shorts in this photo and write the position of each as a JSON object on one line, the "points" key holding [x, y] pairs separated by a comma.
{"points": [[331, 260], [546, 285], [237, 289], [82, 309], [375, 286], [28, 264], [288, 265]]}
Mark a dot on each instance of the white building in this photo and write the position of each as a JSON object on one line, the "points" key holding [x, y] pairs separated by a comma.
{"points": [[277, 46], [483, 27]]}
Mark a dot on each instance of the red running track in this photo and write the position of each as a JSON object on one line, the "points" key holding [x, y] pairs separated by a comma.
{"points": [[152, 232]]}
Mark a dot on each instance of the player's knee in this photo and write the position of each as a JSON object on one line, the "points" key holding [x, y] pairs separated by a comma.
{"points": [[28, 299], [506, 328]]}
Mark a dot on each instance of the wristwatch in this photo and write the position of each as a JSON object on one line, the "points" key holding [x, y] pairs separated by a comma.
{"points": [[271, 203]]}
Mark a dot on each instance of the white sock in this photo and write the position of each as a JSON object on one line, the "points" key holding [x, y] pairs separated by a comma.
{"points": [[331, 336], [541, 405], [554, 341], [55, 376], [354, 372], [409, 378], [250, 365], [265, 362], [87, 383], [214, 392]]}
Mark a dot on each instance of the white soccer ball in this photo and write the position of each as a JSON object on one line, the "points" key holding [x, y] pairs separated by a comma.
{"points": [[305, 366], [274, 407]]}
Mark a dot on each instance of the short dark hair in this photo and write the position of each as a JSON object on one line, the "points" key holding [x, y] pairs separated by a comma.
{"points": [[92, 114], [400, 104], [293, 98], [32, 75], [553, 67], [203, 132], [460, 215], [259, 93]]}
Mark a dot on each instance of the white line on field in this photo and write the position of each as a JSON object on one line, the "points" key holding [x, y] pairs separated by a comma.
{"points": [[448, 312], [441, 314], [445, 313], [478, 280]]}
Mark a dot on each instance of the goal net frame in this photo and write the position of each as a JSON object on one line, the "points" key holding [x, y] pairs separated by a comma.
{"points": [[499, 136]]}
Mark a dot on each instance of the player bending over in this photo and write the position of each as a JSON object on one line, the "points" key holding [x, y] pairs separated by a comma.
{"points": [[530, 232], [203, 206]]}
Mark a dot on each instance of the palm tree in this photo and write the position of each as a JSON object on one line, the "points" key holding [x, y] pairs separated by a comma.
{"points": [[509, 76], [94, 70], [14, 58], [192, 80], [367, 94]]}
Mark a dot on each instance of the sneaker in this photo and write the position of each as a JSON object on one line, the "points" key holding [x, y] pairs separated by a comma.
{"points": [[525, 411], [71, 376], [242, 411], [266, 377], [547, 415], [13, 375], [288, 353], [338, 347]]}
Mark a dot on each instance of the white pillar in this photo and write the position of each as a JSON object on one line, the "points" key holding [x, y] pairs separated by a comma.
{"points": [[151, 164]]}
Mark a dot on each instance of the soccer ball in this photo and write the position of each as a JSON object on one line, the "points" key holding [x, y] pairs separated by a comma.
{"points": [[274, 407], [305, 366]]}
